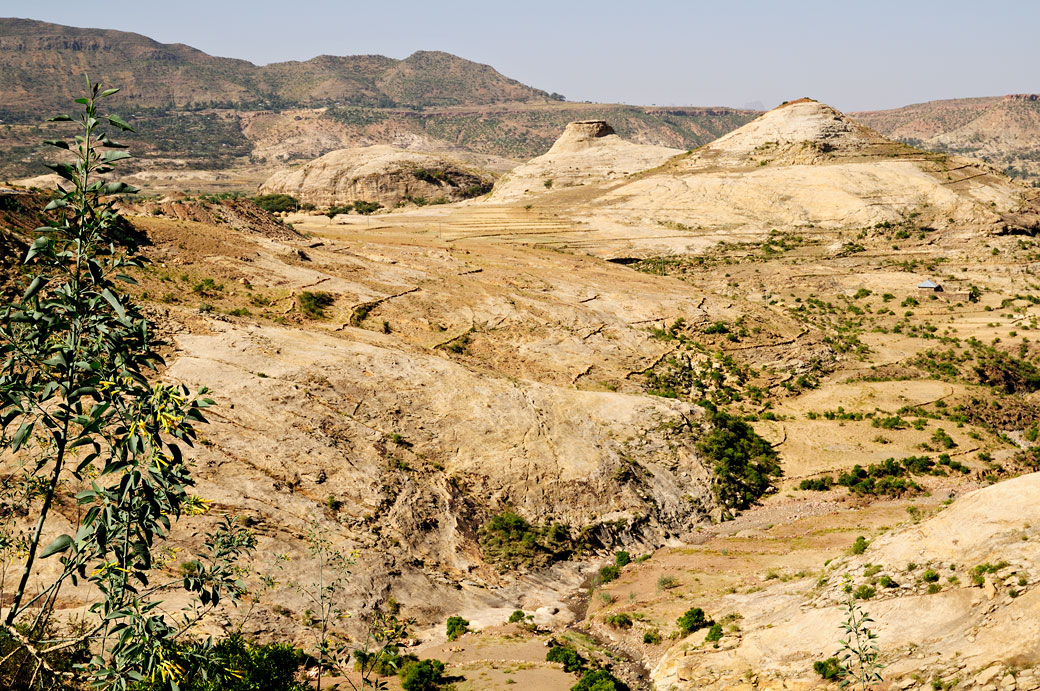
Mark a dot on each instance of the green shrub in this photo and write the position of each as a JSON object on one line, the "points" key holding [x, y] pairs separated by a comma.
{"points": [[599, 680], [313, 304], [693, 620], [456, 626], [622, 559], [334, 211], [425, 675], [366, 208], [275, 203], [743, 463], [567, 656], [860, 545], [239, 665], [829, 669], [865, 592], [509, 541], [609, 573], [821, 484], [517, 615], [930, 576], [652, 637], [619, 621], [666, 582]]}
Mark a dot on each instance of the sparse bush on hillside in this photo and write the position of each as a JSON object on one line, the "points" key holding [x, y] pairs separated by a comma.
{"points": [[744, 464], [829, 669], [599, 680], [509, 541], [455, 627], [366, 208], [334, 211], [620, 620], [424, 675], [692, 620], [567, 656], [313, 304], [652, 637], [276, 203]]}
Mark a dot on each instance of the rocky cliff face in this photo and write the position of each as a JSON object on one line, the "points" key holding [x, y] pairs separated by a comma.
{"points": [[383, 174]]}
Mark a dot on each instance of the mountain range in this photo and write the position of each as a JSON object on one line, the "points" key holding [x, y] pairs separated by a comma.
{"points": [[199, 112]]}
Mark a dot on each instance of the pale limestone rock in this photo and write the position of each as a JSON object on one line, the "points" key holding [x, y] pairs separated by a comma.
{"points": [[383, 174], [588, 152]]}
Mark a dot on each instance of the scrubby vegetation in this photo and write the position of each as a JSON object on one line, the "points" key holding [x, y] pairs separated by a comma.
{"points": [[509, 541], [744, 464], [692, 620], [592, 676], [455, 627], [314, 303], [277, 202]]}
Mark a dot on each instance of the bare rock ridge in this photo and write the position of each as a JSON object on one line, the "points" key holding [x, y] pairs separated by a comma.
{"points": [[383, 174], [804, 165], [581, 134], [802, 131], [588, 152]]}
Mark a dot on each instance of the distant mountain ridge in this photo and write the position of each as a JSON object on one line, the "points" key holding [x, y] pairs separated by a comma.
{"points": [[42, 66], [1003, 130], [195, 111]]}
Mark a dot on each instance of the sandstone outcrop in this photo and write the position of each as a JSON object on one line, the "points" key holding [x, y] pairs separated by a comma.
{"points": [[806, 165], [383, 174], [587, 152], [957, 621]]}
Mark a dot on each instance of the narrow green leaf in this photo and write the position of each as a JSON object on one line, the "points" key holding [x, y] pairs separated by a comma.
{"points": [[60, 118], [108, 92], [110, 156], [60, 143], [24, 430], [60, 544], [111, 299], [34, 287], [117, 121]]}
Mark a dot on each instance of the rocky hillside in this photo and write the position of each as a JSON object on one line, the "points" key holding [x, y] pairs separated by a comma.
{"points": [[1003, 130], [588, 151], [953, 599], [804, 165], [195, 111], [381, 174], [42, 65]]}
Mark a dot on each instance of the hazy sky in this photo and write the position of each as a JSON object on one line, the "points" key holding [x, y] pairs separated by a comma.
{"points": [[853, 55]]}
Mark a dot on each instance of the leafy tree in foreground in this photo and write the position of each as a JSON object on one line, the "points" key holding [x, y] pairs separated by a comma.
{"points": [[89, 446], [858, 656]]}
